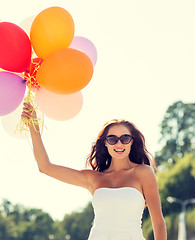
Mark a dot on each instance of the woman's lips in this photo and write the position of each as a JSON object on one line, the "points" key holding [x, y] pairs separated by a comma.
{"points": [[119, 150]]}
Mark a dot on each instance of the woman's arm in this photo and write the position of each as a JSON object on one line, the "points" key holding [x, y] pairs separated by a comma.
{"points": [[151, 193], [65, 174]]}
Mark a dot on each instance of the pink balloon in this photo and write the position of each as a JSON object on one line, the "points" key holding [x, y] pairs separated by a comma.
{"points": [[86, 46], [12, 90], [57, 106]]}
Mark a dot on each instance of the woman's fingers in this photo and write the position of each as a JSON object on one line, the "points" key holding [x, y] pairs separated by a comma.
{"points": [[24, 116], [27, 105], [28, 111]]}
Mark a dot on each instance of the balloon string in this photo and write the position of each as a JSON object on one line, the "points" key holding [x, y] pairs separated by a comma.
{"points": [[33, 87], [24, 123], [30, 77]]}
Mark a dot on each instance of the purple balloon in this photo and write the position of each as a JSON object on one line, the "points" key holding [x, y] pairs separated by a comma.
{"points": [[12, 90], [86, 46]]}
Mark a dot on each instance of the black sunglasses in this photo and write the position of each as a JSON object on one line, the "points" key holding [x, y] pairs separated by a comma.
{"points": [[113, 139]]}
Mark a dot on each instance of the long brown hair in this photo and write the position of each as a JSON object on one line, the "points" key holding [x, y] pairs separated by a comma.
{"points": [[100, 159]]}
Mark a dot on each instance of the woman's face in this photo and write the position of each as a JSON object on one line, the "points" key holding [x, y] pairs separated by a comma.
{"points": [[119, 150]]}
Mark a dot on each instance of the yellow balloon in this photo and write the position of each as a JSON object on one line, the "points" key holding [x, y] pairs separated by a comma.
{"points": [[52, 30]]}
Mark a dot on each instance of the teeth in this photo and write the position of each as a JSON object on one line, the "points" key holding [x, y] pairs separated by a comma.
{"points": [[122, 150]]}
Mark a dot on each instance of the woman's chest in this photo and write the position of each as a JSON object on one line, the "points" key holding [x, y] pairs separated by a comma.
{"points": [[117, 180]]}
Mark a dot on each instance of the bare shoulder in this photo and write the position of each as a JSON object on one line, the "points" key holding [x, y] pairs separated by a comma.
{"points": [[144, 172], [144, 168]]}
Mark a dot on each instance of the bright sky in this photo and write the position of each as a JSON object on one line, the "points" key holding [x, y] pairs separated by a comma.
{"points": [[146, 58]]}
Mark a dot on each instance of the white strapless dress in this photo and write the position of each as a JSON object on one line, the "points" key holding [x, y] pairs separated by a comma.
{"points": [[118, 214]]}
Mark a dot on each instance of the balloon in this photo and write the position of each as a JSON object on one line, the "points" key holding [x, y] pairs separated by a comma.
{"points": [[86, 46], [15, 48], [26, 23], [65, 72], [51, 30], [59, 107], [10, 122], [12, 89]]}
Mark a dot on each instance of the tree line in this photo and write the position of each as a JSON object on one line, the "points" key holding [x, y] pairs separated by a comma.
{"points": [[175, 176]]}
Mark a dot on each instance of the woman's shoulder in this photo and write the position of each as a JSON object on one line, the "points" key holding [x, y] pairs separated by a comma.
{"points": [[144, 171]]}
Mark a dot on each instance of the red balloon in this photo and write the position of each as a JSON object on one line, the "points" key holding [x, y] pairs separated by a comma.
{"points": [[15, 48]]}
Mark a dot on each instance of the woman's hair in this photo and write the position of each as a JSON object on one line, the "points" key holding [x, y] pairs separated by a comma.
{"points": [[100, 159]]}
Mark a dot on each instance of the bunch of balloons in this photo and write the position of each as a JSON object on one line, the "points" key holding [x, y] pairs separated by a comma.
{"points": [[63, 65]]}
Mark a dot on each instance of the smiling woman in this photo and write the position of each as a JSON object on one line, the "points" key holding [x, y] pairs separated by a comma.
{"points": [[124, 183], [100, 159], [121, 180]]}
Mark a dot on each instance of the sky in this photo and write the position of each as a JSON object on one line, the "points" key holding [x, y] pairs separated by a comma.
{"points": [[145, 63]]}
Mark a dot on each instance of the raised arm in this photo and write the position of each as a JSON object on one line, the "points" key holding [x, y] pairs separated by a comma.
{"points": [[65, 174]]}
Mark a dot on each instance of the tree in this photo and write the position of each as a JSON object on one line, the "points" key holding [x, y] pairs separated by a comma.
{"points": [[38, 226], [6, 208], [4, 229], [177, 180], [17, 222], [78, 224], [177, 131]]}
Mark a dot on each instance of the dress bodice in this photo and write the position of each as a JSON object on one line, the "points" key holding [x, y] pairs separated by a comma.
{"points": [[118, 213]]}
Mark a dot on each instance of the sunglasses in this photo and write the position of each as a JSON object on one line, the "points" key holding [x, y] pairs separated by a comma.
{"points": [[113, 139]]}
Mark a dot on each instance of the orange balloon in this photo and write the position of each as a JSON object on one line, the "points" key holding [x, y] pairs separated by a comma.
{"points": [[65, 71], [51, 30]]}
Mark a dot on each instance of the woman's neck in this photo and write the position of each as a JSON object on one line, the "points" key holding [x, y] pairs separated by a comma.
{"points": [[120, 164]]}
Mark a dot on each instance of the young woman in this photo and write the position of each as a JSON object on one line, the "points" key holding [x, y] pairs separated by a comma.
{"points": [[121, 181]]}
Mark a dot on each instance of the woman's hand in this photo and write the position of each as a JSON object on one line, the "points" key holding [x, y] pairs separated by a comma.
{"points": [[30, 113]]}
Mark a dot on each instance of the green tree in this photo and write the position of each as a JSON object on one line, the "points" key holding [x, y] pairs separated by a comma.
{"points": [[172, 226], [18, 223], [59, 231], [37, 226], [78, 224], [6, 207], [177, 180], [177, 131], [4, 230]]}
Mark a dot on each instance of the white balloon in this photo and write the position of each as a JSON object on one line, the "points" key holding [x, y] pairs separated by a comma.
{"points": [[57, 106], [11, 121], [26, 24]]}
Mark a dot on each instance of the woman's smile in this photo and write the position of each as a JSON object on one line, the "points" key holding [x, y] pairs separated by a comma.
{"points": [[119, 150]]}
